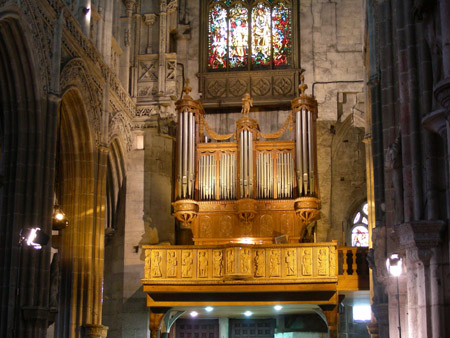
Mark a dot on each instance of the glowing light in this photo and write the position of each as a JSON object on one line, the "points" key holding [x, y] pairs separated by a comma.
{"points": [[248, 313], [194, 314], [209, 309], [277, 307], [59, 216], [362, 313], [394, 265]]}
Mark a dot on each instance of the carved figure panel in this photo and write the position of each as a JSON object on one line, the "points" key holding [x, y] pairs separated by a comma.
{"points": [[202, 264], [148, 264], [245, 258], [156, 264], [260, 263], [230, 261], [172, 263], [307, 262], [291, 262], [322, 262], [186, 264], [332, 261], [218, 263], [275, 263]]}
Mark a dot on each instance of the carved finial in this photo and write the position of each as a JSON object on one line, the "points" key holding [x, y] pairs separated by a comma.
{"points": [[302, 85], [186, 88], [247, 103]]}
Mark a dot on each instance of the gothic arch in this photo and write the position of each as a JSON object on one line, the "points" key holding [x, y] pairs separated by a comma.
{"points": [[80, 195], [76, 75], [120, 128], [27, 176]]}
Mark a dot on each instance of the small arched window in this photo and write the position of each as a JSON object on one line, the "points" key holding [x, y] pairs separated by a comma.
{"points": [[360, 231], [251, 34]]}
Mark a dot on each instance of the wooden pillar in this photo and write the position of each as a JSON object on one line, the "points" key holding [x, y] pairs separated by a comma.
{"points": [[332, 319], [155, 321]]}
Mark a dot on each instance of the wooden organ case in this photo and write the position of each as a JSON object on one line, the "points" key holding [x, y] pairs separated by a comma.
{"points": [[246, 186]]}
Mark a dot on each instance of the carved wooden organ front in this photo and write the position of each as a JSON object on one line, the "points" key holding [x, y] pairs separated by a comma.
{"points": [[246, 186]]}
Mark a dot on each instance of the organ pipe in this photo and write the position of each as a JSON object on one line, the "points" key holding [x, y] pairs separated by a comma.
{"points": [[305, 109]]}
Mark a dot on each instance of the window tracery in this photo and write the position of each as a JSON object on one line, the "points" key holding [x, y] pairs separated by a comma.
{"points": [[251, 34]]}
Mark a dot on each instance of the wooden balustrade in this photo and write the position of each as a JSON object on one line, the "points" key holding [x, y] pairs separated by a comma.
{"points": [[353, 269]]}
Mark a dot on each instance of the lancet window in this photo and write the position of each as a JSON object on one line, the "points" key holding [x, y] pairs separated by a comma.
{"points": [[251, 34], [360, 232]]}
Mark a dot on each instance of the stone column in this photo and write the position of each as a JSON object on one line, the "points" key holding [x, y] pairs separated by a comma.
{"points": [[124, 73], [421, 241], [162, 49], [95, 331], [381, 312], [223, 327], [149, 20]]}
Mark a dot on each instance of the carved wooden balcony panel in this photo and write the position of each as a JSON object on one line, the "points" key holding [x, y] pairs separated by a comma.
{"points": [[241, 263]]}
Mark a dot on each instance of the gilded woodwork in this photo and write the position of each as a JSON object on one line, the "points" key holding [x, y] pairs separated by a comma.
{"points": [[276, 263]]}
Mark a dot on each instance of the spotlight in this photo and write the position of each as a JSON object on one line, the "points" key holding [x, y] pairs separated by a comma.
{"points": [[209, 309], [194, 314], [247, 313], [33, 237], [59, 218], [277, 307]]}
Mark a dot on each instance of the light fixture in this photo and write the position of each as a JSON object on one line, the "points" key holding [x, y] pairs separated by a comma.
{"points": [[394, 267], [194, 314], [33, 237], [59, 218], [277, 307], [248, 313], [209, 309]]}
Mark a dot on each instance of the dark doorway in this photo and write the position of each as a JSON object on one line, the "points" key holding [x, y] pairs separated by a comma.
{"points": [[197, 328], [252, 328]]}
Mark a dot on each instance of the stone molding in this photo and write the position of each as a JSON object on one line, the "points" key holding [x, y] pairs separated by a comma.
{"points": [[436, 121], [418, 238], [442, 93], [95, 331]]}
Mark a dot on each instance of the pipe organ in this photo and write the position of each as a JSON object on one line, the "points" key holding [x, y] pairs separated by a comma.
{"points": [[246, 184]]}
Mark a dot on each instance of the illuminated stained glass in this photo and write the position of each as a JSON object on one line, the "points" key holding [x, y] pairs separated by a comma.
{"points": [[217, 39], [360, 236], [261, 44], [238, 26], [281, 35]]}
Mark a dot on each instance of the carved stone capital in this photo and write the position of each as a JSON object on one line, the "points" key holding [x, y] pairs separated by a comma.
{"points": [[95, 331], [436, 121], [129, 4], [419, 237], [442, 93], [149, 19]]}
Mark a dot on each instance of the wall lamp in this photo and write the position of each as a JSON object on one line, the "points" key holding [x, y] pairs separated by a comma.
{"points": [[33, 237], [59, 219]]}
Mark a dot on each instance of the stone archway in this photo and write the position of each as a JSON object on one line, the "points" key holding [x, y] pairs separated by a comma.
{"points": [[27, 178], [81, 192]]}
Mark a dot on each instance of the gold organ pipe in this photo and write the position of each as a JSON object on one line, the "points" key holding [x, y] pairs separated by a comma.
{"points": [[180, 155], [305, 152], [299, 152], [311, 153], [250, 163], [185, 153], [241, 164]]}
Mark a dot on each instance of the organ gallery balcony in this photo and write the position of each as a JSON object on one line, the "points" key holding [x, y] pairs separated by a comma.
{"points": [[304, 273]]}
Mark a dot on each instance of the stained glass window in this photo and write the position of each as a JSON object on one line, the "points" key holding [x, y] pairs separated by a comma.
{"points": [[249, 34], [261, 28], [281, 34], [238, 23], [360, 232], [218, 37]]}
